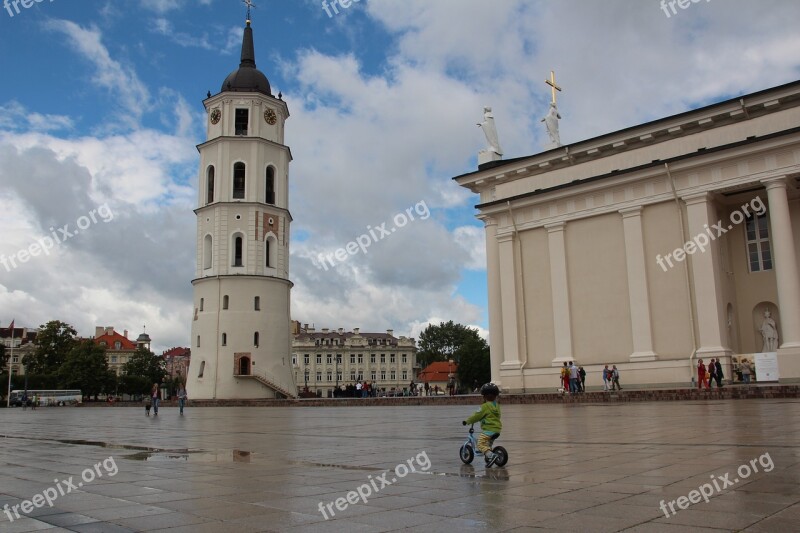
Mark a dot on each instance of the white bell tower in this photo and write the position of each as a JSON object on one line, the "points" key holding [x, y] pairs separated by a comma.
{"points": [[241, 337]]}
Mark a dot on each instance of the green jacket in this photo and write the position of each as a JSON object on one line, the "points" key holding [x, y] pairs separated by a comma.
{"points": [[489, 417]]}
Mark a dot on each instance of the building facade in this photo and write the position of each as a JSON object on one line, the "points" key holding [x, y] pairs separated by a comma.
{"points": [[176, 361], [649, 247], [326, 359], [119, 348], [241, 342], [24, 344]]}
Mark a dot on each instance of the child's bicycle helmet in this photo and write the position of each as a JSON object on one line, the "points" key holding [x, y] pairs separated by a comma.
{"points": [[490, 388]]}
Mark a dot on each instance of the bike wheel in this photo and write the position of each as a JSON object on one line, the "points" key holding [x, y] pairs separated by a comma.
{"points": [[467, 454], [502, 455]]}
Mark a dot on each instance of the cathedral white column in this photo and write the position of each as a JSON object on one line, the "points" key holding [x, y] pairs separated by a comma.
{"points": [[496, 350], [638, 291], [562, 325], [786, 270], [705, 272], [508, 297]]}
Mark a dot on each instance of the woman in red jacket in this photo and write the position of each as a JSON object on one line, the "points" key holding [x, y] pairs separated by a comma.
{"points": [[701, 374]]}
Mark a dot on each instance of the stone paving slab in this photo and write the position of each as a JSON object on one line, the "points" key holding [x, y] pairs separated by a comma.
{"points": [[573, 467]]}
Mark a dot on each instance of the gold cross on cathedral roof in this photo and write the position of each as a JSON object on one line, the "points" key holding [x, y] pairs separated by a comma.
{"points": [[552, 83]]}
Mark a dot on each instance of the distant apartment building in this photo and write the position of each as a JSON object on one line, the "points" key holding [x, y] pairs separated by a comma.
{"points": [[176, 362], [326, 359], [24, 343], [119, 348]]}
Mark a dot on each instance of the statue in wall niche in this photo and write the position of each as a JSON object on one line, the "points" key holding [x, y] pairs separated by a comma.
{"points": [[770, 333]]}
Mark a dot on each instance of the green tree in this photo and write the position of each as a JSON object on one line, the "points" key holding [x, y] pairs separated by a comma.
{"points": [[86, 368], [54, 342], [134, 385], [440, 343], [473, 363], [145, 364], [3, 357]]}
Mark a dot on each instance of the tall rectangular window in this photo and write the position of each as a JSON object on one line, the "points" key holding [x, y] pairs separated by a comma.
{"points": [[305, 359], [257, 303], [759, 252], [242, 119], [319, 359], [239, 174]]}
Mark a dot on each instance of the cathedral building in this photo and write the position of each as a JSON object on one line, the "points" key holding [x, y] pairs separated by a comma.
{"points": [[241, 342], [649, 248]]}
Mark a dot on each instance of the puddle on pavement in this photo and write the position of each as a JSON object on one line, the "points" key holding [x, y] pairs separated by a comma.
{"points": [[192, 456]]}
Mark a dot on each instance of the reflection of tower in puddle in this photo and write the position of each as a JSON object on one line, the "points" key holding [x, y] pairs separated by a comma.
{"points": [[241, 456]]}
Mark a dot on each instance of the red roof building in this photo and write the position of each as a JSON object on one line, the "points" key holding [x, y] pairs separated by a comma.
{"points": [[119, 348], [438, 373]]}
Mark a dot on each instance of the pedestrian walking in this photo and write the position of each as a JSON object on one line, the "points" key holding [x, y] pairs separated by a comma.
{"points": [[154, 395], [712, 372], [701, 374], [181, 397], [746, 371], [582, 380], [606, 378], [615, 378], [718, 374]]}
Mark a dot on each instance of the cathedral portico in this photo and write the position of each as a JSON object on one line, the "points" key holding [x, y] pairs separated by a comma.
{"points": [[648, 248]]}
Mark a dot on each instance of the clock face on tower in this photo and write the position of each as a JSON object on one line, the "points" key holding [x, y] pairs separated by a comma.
{"points": [[216, 114], [270, 117]]}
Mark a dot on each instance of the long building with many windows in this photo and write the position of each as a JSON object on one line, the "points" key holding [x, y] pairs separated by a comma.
{"points": [[326, 359]]}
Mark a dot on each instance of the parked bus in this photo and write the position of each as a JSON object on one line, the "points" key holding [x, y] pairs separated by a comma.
{"points": [[47, 397]]}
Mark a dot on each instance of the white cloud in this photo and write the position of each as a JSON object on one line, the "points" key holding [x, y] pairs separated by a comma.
{"points": [[110, 74]]}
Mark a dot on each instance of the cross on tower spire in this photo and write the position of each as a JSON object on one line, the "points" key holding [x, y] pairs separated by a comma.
{"points": [[249, 4]]}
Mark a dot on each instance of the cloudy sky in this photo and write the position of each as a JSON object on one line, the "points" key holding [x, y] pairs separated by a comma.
{"points": [[100, 113]]}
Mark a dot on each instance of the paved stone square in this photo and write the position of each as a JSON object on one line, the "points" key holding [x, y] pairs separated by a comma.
{"points": [[576, 467]]}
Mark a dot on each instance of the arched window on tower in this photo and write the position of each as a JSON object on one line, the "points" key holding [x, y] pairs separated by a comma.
{"points": [[210, 185], [238, 250], [255, 339], [202, 368], [225, 300], [238, 181], [270, 185], [208, 246], [270, 251], [224, 339]]}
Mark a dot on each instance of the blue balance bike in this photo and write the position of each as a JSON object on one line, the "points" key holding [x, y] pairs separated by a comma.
{"points": [[470, 448]]}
